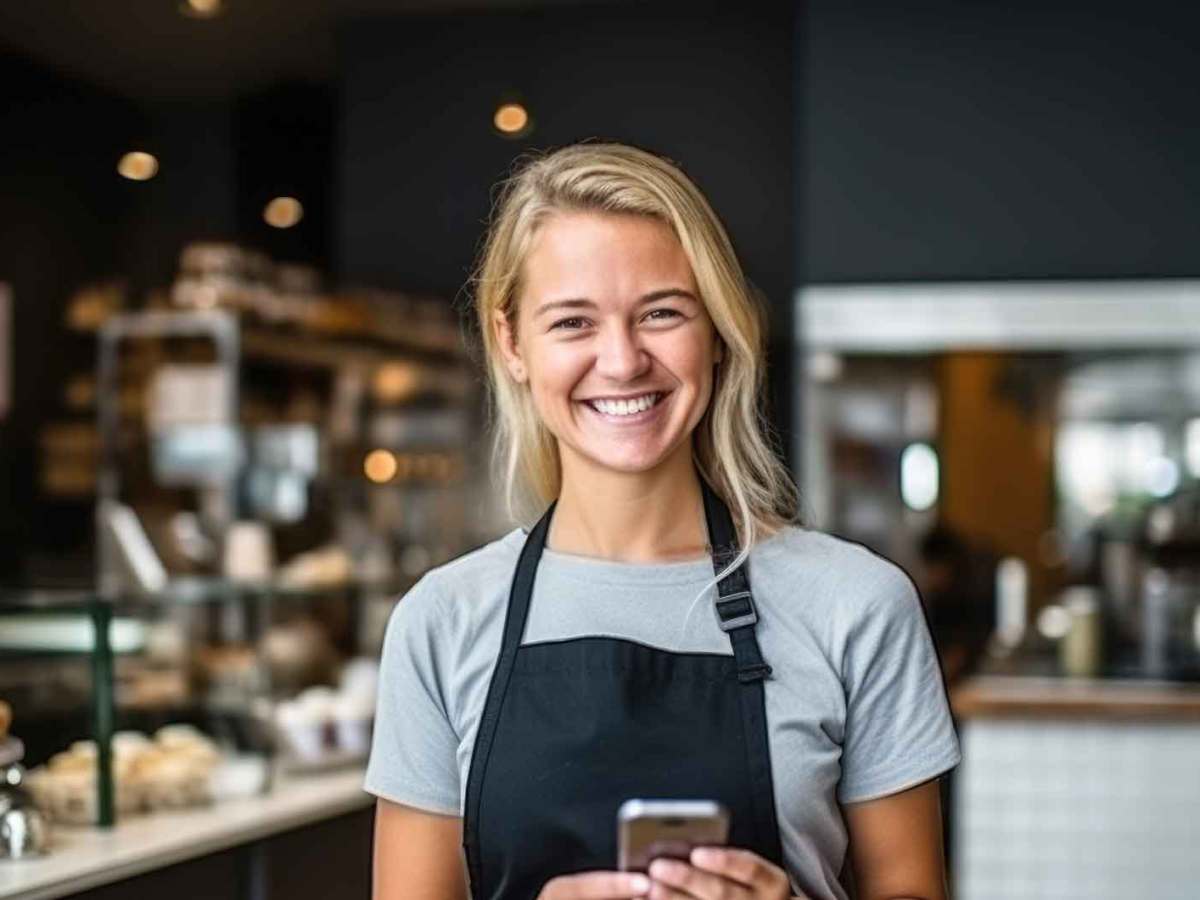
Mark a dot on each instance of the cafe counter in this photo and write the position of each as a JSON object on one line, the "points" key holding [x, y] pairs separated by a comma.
{"points": [[1075, 788], [1048, 697], [309, 837]]}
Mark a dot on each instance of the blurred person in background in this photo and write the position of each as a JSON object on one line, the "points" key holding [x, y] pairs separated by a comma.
{"points": [[956, 583]]}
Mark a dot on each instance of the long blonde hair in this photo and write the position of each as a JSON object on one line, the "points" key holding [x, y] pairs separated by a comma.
{"points": [[733, 442]]}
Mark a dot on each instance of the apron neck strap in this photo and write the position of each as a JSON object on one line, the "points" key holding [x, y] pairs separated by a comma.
{"points": [[724, 540], [736, 614]]}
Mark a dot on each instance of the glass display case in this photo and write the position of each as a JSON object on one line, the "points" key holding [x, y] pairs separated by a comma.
{"points": [[269, 465], [196, 693]]}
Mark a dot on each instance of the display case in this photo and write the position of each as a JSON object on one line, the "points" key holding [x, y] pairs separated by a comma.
{"points": [[269, 466], [197, 693]]}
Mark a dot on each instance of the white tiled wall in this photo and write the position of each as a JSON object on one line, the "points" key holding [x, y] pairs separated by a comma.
{"points": [[1086, 810]]}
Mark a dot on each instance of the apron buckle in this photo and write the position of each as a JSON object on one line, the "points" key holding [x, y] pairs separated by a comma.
{"points": [[735, 610]]}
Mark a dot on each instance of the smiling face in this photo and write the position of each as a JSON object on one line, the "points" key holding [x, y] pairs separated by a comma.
{"points": [[613, 342]]}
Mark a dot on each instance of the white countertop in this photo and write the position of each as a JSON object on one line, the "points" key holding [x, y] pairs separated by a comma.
{"points": [[83, 858]]}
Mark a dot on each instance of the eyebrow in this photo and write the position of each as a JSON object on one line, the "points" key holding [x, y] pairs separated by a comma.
{"points": [[583, 302]]}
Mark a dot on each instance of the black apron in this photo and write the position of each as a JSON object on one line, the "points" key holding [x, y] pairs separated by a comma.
{"points": [[572, 728]]}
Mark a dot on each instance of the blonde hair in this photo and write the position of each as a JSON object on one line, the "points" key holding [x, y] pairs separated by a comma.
{"points": [[733, 442]]}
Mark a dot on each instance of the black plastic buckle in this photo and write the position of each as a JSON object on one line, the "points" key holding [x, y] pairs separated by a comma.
{"points": [[735, 611]]}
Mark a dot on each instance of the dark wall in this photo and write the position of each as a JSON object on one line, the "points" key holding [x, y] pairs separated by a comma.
{"points": [[971, 140], [62, 214], [193, 196], [221, 162], [708, 85], [284, 144]]}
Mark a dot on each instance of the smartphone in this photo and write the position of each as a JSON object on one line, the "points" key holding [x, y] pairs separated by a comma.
{"points": [[648, 829]]}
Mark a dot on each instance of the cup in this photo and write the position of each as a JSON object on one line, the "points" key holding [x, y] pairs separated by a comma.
{"points": [[352, 720], [249, 555], [1079, 650], [303, 728]]}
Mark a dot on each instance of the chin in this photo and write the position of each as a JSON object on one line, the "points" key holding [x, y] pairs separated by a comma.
{"points": [[629, 467], [628, 463]]}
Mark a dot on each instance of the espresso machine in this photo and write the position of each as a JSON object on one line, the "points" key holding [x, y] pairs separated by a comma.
{"points": [[1168, 620]]}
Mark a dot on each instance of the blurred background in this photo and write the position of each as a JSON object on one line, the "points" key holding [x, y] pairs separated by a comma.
{"points": [[238, 417]]}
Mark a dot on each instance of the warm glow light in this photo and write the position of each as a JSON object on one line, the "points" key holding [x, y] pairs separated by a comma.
{"points": [[396, 381], [138, 166], [283, 212], [201, 9], [380, 466], [511, 118]]}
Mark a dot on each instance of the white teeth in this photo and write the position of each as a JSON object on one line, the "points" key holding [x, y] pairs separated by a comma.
{"points": [[626, 407]]}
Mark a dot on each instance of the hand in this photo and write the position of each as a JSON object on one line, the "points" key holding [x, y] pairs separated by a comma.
{"points": [[596, 886], [719, 873]]}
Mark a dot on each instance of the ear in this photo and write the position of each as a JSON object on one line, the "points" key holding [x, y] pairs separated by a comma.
{"points": [[506, 340]]}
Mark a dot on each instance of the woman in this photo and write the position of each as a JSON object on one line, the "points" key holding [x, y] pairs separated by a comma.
{"points": [[624, 352]]}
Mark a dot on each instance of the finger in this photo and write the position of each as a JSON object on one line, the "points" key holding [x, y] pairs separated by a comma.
{"points": [[742, 866], [678, 879], [596, 886], [660, 891]]}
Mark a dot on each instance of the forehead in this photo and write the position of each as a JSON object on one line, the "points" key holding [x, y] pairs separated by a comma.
{"points": [[603, 257]]}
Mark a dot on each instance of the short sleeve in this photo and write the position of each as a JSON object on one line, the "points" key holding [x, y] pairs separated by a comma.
{"points": [[899, 731], [413, 749]]}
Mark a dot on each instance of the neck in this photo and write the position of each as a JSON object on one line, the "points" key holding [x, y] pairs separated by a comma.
{"points": [[655, 516]]}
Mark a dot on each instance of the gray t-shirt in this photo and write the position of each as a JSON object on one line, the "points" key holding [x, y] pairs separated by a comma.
{"points": [[856, 705]]}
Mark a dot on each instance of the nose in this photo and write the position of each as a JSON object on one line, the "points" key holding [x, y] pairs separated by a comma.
{"points": [[620, 356]]}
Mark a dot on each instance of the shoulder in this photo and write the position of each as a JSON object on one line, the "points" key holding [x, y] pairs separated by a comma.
{"points": [[493, 558], [842, 578], [457, 591], [814, 554]]}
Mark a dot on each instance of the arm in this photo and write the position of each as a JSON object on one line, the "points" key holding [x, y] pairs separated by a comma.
{"points": [[896, 845], [418, 854]]}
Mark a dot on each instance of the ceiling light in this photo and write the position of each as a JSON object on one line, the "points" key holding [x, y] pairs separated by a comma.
{"points": [[137, 166], [512, 120], [283, 212], [201, 9]]}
